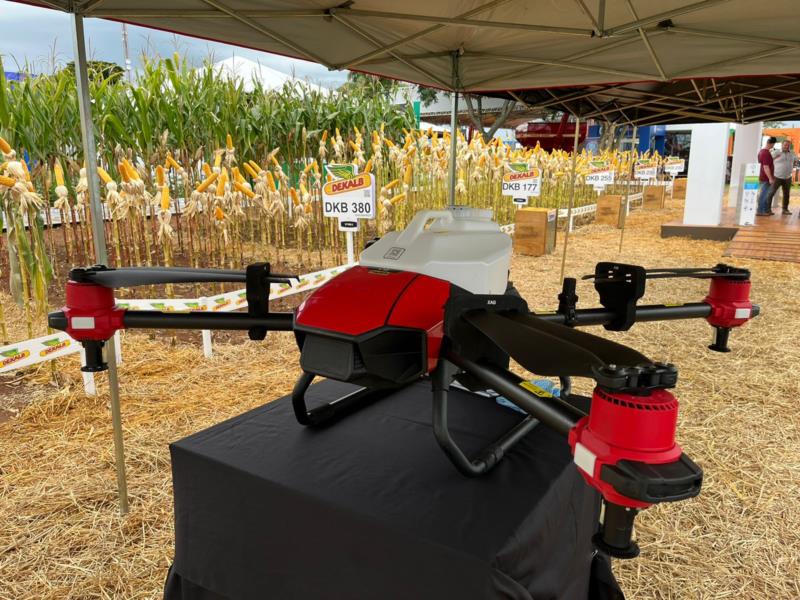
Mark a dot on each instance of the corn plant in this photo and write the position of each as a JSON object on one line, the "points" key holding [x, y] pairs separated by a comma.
{"points": [[195, 170]]}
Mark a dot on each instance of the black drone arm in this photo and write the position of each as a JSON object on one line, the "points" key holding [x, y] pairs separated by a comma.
{"points": [[137, 276], [91, 315]]}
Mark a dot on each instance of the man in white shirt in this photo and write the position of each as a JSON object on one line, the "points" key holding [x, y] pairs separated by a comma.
{"points": [[784, 160]]}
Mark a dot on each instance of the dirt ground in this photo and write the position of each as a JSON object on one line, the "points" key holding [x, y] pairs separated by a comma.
{"points": [[62, 536]]}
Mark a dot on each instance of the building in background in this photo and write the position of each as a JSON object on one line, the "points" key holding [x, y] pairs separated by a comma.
{"points": [[14, 76]]}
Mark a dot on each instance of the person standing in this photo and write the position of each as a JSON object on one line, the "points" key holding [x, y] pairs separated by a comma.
{"points": [[783, 162], [766, 177]]}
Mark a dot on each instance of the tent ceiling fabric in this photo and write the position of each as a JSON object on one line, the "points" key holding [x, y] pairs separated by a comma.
{"points": [[701, 100], [502, 44]]}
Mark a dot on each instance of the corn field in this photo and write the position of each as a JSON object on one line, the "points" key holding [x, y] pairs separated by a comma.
{"points": [[195, 171]]}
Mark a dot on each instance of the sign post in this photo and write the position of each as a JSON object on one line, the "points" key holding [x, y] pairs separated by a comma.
{"points": [[521, 183], [600, 175], [349, 200], [673, 166], [645, 169]]}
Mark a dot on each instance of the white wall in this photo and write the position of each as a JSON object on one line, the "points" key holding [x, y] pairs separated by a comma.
{"points": [[706, 183], [746, 145]]}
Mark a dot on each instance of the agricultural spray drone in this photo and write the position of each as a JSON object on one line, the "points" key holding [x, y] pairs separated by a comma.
{"points": [[434, 301]]}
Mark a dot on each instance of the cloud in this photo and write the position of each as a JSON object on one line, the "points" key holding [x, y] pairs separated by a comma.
{"points": [[42, 40]]}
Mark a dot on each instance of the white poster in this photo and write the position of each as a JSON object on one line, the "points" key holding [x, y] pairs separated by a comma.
{"points": [[747, 211]]}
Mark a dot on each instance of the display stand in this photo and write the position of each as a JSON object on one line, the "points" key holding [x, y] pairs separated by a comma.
{"points": [[369, 507]]}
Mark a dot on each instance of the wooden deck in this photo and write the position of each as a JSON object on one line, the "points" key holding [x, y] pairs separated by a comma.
{"points": [[771, 238]]}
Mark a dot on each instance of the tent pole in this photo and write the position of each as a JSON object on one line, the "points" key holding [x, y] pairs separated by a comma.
{"points": [[453, 134], [571, 195], [628, 188], [575, 139], [87, 135], [98, 235]]}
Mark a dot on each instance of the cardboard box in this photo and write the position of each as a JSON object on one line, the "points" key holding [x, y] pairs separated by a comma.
{"points": [[653, 196], [610, 210], [679, 188], [535, 231]]}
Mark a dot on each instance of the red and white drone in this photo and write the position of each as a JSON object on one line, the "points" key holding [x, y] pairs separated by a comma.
{"points": [[434, 301]]}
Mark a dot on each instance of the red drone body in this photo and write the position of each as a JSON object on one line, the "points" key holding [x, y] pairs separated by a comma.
{"points": [[363, 313]]}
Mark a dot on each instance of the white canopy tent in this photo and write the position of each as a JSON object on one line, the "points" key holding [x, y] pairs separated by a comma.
{"points": [[489, 46], [502, 44], [250, 72]]}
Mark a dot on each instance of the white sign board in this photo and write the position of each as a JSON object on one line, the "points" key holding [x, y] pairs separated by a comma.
{"points": [[674, 166], [747, 211], [522, 182], [349, 200], [600, 179], [645, 170]]}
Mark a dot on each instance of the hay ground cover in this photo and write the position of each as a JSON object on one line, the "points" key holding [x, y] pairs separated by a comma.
{"points": [[63, 538]]}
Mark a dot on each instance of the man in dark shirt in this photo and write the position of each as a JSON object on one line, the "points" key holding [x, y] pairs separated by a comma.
{"points": [[766, 177]]}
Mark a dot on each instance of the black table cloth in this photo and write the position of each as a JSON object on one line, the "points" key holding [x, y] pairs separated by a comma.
{"points": [[370, 508]]}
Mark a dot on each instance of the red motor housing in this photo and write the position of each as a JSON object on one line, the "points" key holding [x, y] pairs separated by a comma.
{"points": [[618, 445], [91, 313], [730, 302], [373, 327]]}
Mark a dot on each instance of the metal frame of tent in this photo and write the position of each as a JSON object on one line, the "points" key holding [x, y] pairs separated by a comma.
{"points": [[606, 91]]}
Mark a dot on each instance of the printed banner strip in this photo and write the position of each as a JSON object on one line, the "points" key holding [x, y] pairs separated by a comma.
{"points": [[30, 352]]}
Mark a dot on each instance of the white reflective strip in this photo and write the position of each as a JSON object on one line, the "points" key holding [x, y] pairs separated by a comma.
{"points": [[82, 322], [742, 313], [585, 459]]}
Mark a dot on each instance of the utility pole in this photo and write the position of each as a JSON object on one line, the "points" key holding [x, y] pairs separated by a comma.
{"points": [[126, 52]]}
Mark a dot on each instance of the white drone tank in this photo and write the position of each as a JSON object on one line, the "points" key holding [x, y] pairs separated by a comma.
{"points": [[461, 245]]}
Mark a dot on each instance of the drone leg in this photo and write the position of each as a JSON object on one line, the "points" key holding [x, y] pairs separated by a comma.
{"points": [[489, 456], [327, 413]]}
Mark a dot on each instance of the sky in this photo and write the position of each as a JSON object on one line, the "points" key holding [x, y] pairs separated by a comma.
{"points": [[42, 38]]}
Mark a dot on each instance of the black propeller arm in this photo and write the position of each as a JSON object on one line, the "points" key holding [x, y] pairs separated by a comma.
{"points": [[136, 276], [91, 315]]}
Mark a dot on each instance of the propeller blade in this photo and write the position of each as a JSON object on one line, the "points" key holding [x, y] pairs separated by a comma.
{"points": [[537, 351], [551, 349], [610, 352], [133, 276]]}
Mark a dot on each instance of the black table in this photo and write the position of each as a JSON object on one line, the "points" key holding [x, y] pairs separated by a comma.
{"points": [[370, 508]]}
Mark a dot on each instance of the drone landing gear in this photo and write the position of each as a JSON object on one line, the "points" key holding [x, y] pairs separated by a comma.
{"points": [[332, 411], [489, 456]]}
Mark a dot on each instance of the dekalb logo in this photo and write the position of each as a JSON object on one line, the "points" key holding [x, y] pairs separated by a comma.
{"points": [[9, 357], [532, 174], [359, 182], [53, 345], [220, 303]]}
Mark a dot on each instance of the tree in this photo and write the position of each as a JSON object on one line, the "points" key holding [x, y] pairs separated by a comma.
{"points": [[427, 96], [98, 69], [364, 80], [477, 116]]}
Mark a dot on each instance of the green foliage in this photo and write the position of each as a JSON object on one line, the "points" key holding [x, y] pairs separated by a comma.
{"points": [[172, 106], [98, 69], [427, 95]]}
